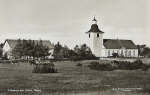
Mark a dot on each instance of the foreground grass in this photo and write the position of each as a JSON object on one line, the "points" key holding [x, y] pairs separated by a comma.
{"points": [[72, 79]]}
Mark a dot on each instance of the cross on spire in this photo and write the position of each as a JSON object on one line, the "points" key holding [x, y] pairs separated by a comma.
{"points": [[94, 20]]}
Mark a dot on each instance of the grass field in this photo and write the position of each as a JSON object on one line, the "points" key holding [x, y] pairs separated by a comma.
{"points": [[18, 79]]}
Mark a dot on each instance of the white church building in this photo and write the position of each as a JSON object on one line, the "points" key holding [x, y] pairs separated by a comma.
{"points": [[107, 47]]}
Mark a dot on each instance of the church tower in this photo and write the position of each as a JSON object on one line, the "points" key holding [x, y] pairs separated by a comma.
{"points": [[95, 36]]}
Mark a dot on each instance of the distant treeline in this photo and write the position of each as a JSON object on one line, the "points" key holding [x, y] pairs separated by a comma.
{"points": [[29, 48], [143, 50], [25, 49], [78, 53]]}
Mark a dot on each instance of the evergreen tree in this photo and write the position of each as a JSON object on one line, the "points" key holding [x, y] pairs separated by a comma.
{"points": [[83, 52], [57, 51], [66, 52], [30, 48]]}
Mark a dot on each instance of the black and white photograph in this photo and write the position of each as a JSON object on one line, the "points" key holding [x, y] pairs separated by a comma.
{"points": [[74, 47]]}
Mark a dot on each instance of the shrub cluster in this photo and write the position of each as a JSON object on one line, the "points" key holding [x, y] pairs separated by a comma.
{"points": [[126, 65], [82, 52], [11, 61], [79, 65], [30, 48], [122, 65], [101, 66], [44, 68]]}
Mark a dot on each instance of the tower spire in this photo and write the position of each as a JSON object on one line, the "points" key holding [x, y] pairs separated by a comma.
{"points": [[96, 39], [94, 20]]}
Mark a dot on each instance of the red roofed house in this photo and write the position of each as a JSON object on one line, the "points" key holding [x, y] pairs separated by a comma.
{"points": [[106, 47], [9, 44]]}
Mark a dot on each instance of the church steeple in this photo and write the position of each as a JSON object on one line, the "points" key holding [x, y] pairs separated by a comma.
{"points": [[95, 36], [94, 27], [94, 21]]}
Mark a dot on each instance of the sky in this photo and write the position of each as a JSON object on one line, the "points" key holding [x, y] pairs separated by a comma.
{"points": [[67, 21]]}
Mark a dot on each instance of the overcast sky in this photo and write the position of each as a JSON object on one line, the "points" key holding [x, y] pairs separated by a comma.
{"points": [[68, 20]]}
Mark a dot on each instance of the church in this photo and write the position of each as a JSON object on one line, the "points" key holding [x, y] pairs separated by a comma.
{"points": [[101, 47]]}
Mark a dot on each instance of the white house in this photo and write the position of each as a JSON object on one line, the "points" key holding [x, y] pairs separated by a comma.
{"points": [[106, 47], [10, 44]]}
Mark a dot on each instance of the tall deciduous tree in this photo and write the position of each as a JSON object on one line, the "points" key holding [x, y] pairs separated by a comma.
{"points": [[18, 49], [82, 52], [58, 51]]}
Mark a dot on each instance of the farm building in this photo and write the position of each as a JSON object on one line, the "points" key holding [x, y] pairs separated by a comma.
{"points": [[10, 44], [107, 47]]}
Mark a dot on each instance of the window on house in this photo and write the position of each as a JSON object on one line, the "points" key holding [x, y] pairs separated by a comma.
{"points": [[126, 53], [97, 35], [89, 35]]}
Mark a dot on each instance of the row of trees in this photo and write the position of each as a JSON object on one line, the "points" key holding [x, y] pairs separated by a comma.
{"points": [[78, 53], [84, 52], [30, 48], [143, 50], [33, 49]]}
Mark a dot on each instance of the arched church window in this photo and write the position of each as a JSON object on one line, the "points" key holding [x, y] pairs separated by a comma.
{"points": [[97, 35], [122, 53], [125, 53], [108, 52], [129, 53], [89, 35]]}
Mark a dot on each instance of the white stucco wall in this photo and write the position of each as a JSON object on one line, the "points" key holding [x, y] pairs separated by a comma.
{"points": [[104, 52], [124, 52], [96, 44]]}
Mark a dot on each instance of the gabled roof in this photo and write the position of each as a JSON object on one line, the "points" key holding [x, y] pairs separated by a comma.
{"points": [[95, 29], [12, 43], [118, 44]]}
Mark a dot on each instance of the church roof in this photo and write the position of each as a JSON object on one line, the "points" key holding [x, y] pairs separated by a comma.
{"points": [[95, 29], [118, 44], [12, 42]]}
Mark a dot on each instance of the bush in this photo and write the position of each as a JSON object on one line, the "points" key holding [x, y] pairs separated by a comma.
{"points": [[79, 64], [5, 57], [127, 65], [78, 58], [44, 68], [122, 65], [8, 61], [101, 66], [115, 55], [145, 67]]}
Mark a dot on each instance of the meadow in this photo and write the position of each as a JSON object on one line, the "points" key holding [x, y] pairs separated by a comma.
{"points": [[18, 79]]}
